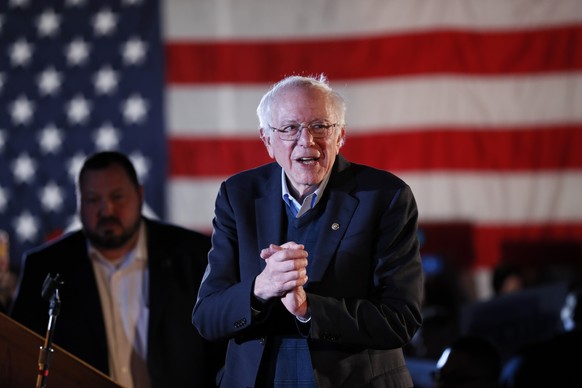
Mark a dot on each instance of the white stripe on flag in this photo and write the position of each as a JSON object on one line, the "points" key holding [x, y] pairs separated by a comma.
{"points": [[281, 19], [509, 198], [420, 102]]}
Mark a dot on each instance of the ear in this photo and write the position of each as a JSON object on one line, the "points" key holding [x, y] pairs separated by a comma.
{"points": [[266, 138], [341, 139]]}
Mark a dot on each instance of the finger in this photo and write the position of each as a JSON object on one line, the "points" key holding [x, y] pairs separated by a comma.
{"points": [[273, 248], [270, 250], [289, 255], [296, 264], [292, 245], [294, 279]]}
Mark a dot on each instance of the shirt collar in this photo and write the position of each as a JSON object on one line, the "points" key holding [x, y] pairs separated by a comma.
{"points": [[309, 202]]}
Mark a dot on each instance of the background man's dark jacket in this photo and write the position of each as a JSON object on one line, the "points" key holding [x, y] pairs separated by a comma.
{"points": [[177, 257]]}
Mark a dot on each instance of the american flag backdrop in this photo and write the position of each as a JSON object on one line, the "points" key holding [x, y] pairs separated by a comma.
{"points": [[476, 104], [76, 76]]}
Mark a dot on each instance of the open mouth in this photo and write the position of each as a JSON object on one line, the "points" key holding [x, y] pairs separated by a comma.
{"points": [[307, 160]]}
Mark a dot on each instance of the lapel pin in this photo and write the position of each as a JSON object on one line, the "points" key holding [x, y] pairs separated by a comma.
{"points": [[335, 226]]}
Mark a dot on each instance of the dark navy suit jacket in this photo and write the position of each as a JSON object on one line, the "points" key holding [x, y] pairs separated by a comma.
{"points": [[365, 284], [177, 355]]}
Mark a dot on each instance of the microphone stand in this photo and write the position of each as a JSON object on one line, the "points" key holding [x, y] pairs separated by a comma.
{"points": [[50, 292]]}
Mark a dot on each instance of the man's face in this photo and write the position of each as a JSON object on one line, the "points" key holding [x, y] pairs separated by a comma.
{"points": [[110, 207], [306, 160]]}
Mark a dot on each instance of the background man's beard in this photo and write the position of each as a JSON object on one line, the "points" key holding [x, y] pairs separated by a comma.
{"points": [[111, 241]]}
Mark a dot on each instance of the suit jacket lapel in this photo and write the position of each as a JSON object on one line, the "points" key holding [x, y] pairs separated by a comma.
{"points": [[86, 284], [339, 210]]}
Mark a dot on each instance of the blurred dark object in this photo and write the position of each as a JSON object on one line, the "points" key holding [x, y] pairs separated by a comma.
{"points": [[546, 364], [421, 370], [445, 248], [468, 362], [544, 261], [518, 318], [571, 312], [552, 362], [443, 296], [508, 278]]}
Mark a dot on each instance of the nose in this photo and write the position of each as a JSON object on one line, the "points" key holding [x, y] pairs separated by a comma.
{"points": [[105, 207], [305, 137]]}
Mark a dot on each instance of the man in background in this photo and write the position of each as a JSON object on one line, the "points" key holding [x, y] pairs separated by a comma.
{"points": [[129, 283]]}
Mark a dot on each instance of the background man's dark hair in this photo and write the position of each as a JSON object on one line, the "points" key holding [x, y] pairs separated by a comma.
{"points": [[101, 160]]}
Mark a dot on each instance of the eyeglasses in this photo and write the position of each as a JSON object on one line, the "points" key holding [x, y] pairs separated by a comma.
{"points": [[318, 130]]}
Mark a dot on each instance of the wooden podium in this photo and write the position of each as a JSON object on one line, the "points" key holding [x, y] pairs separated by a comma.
{"points": [[19, 352]]}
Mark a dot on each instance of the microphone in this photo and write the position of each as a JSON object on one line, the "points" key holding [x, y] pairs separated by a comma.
{"points": [[50, 293], [50, 285]]}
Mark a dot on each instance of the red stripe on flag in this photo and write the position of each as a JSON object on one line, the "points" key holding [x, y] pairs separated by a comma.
{"points": [[364, 57], [503, 149], [211, 157], [489, 242]]}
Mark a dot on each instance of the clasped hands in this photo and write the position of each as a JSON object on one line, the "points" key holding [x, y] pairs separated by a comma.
{"points": [[284, 277]]}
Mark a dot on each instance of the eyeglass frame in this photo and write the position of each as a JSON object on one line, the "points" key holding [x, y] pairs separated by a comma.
{"points": [[328, 129]]}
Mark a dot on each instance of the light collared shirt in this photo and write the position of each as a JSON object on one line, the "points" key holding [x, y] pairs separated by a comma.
{"points": [[123, 289], [309, 202], [298, 209]]}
